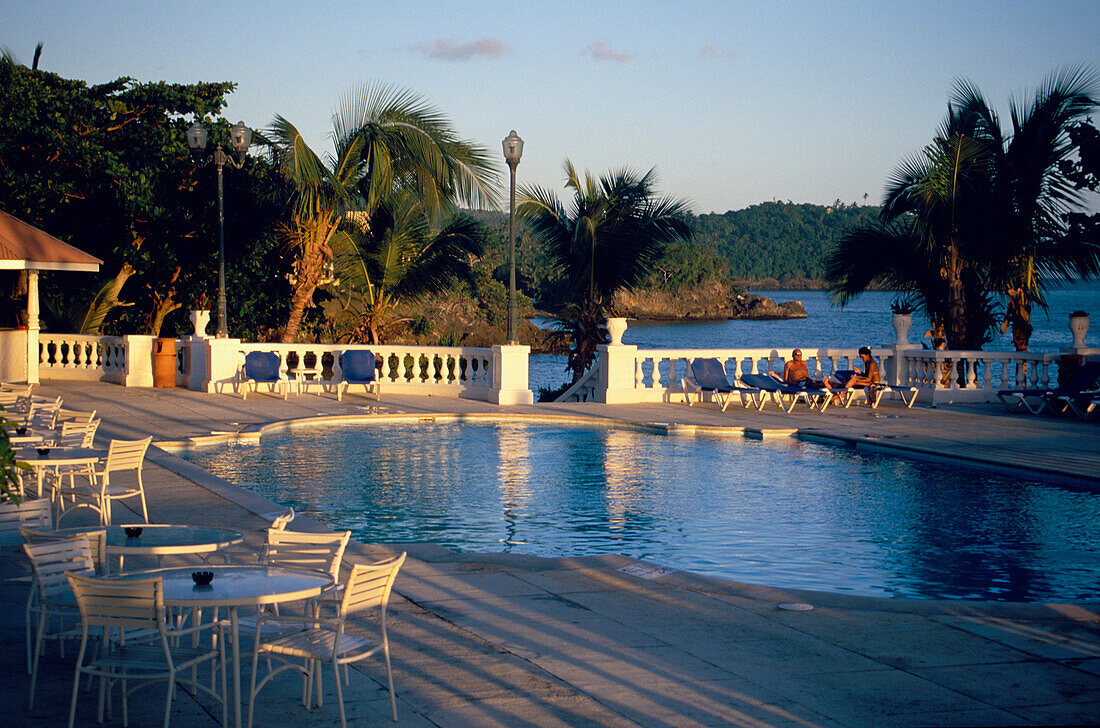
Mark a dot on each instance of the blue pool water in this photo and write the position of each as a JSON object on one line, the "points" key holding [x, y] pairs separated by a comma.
{"points": [[784, 513]]}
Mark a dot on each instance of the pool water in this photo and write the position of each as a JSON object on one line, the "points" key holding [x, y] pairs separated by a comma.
{"points": [[784, 513]]}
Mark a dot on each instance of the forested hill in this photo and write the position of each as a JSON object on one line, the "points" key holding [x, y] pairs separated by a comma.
{"points": [[780, 240]]}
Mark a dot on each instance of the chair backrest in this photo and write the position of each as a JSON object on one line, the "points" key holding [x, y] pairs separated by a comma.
{"points": [[369, 586], [311, 551], [28, 514], [97, 542], [126, 454], [1084, 378], [709, 373], [70, 415], [263, 366], [358, 365], [43, 415], [281, 521], [53, 560], [77, 433], [121, 603]]}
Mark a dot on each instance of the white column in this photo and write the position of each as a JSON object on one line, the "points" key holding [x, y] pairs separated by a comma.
{"points": [[139, 360], [221, 365], [616, 383], [510, 385], [32, 327]]}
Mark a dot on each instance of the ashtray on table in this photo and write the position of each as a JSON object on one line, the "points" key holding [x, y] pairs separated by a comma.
{"points": [[43, 451], [202, 578], [20, 431], [132, 531]]}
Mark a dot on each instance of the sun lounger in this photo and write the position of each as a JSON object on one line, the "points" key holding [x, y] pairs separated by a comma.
{"points": [[787, 396], [708, 375], [1036, 399], [1083, 405], [872, 393]]}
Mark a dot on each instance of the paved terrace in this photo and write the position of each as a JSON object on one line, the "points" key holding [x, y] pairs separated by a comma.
{"points": [[494, 640]]}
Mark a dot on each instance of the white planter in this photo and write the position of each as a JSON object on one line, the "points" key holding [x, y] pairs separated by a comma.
{"points": [[1079, 326], [616, 327], [902, 322], [201, 319]]}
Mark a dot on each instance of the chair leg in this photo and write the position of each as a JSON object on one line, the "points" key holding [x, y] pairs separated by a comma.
{"points": [[339, 693], [389, 678]]}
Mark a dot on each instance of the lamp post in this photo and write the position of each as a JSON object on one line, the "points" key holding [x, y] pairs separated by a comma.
{"points": [[241, 137], [513, 150]]}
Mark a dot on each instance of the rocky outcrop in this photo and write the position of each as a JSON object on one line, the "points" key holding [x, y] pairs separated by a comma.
{"points": [[753, 306]]}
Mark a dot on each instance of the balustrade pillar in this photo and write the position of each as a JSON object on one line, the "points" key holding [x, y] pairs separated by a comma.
{"points": [[616, 383], [510, 379]]}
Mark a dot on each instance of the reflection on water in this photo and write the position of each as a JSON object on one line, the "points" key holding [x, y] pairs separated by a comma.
{"points": [[784, 513]]}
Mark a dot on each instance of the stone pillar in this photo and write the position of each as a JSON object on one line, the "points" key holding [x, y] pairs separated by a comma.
{"points": [[221, 365], [510, 375], [139, 361], [32, 327], [894, 369], [198, 356], [616, 382]]}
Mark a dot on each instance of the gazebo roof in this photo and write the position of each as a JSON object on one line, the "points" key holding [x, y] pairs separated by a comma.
{"points": [[25, 247]]}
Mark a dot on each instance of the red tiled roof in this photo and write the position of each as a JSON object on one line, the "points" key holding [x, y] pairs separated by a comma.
{"points": [[24, 246]]}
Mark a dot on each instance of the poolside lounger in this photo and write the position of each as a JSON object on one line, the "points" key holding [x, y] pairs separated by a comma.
{"points": [[1036, 399], [358, 368], [872, 393], [1083, 405], [261, 367], [708, 375], [786, 396]]}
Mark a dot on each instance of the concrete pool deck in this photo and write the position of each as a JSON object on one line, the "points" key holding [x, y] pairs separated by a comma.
{"points": [[507, 640]]}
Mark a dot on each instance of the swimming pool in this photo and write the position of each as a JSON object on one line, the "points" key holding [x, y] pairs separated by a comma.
{"points": [[785, 513]]}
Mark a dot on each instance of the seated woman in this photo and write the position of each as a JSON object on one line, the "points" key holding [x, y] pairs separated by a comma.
{"points": [[796, 374], [869, 375]]}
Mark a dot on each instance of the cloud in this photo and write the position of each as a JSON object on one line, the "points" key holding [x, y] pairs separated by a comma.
{"points": [[601, 52], [711, 53], [448, 49]]}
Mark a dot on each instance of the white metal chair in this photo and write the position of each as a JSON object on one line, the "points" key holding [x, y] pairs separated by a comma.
{"points": [[73, 433], [28, 514], [281, 521], [129, 604], [49, 604], [327, 640], [123, 456], [71, 415], [309, 551]]}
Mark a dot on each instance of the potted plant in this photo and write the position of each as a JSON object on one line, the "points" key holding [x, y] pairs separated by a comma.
{"points": [[616, 327], [1079, 326], [902, 319], [200, 315]]}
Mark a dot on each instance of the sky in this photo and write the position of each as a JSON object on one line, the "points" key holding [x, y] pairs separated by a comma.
{"points": [[733, 102]]}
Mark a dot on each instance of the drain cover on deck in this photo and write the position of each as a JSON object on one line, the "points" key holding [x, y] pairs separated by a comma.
{"points": [[795, 606], [644, 571]]}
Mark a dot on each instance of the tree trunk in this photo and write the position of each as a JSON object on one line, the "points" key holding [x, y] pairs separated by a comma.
{"points": [[955, 326], [1018, 315]]}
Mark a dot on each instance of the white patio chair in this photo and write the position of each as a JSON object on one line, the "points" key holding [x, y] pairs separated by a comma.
{"points": [[123, 456], [71, 415], [49, 605], [72, 434], [125, 604], [281, 521], [34, 513], [327, 640], [308, 551], [42, 416]]}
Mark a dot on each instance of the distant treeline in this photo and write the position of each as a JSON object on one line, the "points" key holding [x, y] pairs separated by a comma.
{"points": [[783, 241]]}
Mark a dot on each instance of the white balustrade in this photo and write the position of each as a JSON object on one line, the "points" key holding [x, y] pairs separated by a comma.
{"points": [[74, 356], [975, 376]]}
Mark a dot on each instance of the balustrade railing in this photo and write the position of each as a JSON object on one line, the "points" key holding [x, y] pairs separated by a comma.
{"points": [[75, 356]]}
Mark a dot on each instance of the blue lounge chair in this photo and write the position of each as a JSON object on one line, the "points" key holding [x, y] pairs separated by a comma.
{"points": [[708, 375], [873, 393], [358, 368], [262, 367], [787, 396], [1035, 399]]}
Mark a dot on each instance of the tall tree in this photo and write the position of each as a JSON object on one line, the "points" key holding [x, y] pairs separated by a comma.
{"points": [[388, 143], [986, 212], [605, 241]]}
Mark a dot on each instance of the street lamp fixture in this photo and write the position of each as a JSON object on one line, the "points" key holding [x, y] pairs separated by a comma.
{"points": [[513, 150], [241, 137]]}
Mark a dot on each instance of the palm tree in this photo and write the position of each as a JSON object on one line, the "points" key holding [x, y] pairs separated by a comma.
{"points": [[388, 142], [1033, 193], [980, 213], [606, 241], [397, 255]]}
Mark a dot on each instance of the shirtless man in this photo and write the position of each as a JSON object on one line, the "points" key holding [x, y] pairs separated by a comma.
{"points": [[870, 371], [796, 374]]}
